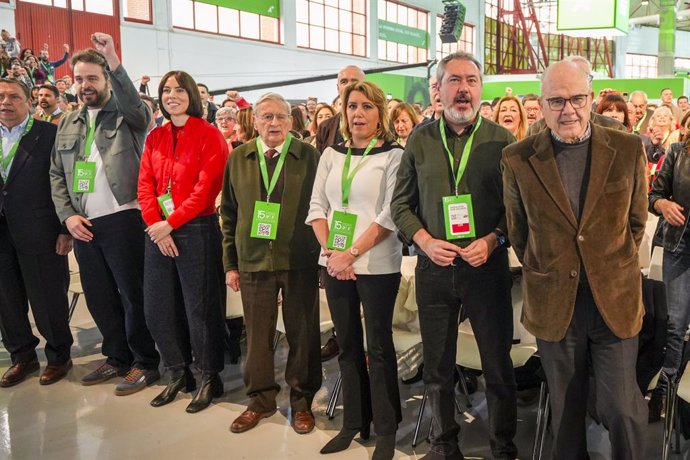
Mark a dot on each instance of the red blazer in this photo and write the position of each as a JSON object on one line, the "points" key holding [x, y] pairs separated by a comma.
{"points": [[195, 168]]}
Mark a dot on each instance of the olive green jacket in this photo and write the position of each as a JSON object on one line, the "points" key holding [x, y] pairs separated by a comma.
{"points": [[295, 246]]}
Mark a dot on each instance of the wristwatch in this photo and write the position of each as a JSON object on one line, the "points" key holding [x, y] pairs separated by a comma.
{"points": [[354, 251], [500, 238]]}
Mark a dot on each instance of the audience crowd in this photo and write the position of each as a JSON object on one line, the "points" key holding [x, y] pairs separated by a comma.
{"points": [[169, 200]]}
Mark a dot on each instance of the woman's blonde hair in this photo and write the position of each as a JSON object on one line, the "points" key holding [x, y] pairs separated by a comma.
{"points": [[522, 127], [376, 95], [661, 111]]}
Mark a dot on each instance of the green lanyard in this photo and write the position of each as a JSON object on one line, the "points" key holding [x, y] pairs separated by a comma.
{"points": [[90, 131], [6, 160], [639, 123], [264, 170], [465, 152], [347, 177]]}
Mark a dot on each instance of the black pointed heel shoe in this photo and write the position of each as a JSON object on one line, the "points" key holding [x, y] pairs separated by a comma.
{"points": [[344, 438], [211, 387], [180, 380], [385, 447]]}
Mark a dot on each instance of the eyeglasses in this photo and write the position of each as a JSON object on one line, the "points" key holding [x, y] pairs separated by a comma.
{"points": [[268, 117], [558, 103]]}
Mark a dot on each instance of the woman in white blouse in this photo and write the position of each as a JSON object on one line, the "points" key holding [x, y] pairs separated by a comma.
{"points": [[350, 214]]}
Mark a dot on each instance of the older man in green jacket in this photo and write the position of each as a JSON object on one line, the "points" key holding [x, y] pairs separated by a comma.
{"points": [[268, 251]]}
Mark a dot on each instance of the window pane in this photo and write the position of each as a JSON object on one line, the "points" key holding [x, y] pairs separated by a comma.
{"points": [[303, 11], [316, 37], [134, 9], [403, 15], [100, 6], [359, 6], [249, 25], [359, 25], [269, 28], [303, 35], [229, 21], [382, 9], [359, 46], [40, 2], [382, 49], [316, 14], [63, 4], [333, 3], [205, 17], [182, 13], [331, 17], [392, 51], [345, 5], [77, 5], [332, 40], [345, 21], [391, 12], [345, 42], [403, 52]]}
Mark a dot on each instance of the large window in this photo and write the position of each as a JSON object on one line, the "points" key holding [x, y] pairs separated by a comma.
{"points": [[465, 43], [57, 3], [681, 63], [339, 26], [137, 11], [640, 66], [408, 17], [93, 6], [193, 15]]}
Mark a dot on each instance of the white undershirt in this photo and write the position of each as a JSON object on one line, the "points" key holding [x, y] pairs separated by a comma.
{"points": [[102, 202]]}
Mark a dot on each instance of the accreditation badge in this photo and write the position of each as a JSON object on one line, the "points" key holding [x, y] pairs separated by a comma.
{"points": [[265, 220], [166, 204], [458, 215], [84, 177], [342, 230]]}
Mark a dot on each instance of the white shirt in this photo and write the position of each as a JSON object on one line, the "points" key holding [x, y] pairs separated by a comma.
{"points": [[370, 198], [101, 202], [9, 138]]}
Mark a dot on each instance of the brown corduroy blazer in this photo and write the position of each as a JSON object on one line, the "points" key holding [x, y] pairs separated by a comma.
{"points": [[551, 244]]}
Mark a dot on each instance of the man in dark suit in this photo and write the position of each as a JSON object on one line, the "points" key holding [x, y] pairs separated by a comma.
{"points": [[33, 244], [329, 131], [576, 206]]}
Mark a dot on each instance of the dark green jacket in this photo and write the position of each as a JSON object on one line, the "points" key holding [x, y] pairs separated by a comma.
{"points": [[295, 246], [425, 177]]}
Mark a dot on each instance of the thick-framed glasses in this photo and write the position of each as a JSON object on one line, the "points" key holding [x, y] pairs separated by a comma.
{"points": [[558, 103], [268, 117]]}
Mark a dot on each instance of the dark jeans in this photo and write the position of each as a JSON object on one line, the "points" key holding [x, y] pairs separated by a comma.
{"points": [[484, 293], [43, 280], [620, 404], [184, 297], [111, 267], [299, 289], [676, 273], [373, 393]]}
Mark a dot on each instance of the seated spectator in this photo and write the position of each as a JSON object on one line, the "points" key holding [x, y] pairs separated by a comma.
{"points": [[510, 114], [26, 52], [49, 66], [322, 113], [299, 129], [614, 106], [404, 118]]}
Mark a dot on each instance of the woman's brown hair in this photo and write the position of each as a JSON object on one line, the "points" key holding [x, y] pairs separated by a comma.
{"points": [[187, 82]]}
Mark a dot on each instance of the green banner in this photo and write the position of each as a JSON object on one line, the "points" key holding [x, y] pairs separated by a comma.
{"points": [[399, 33], [263, 7]]}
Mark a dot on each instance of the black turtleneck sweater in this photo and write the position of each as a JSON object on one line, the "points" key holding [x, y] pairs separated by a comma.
{"points": [[573, 162]]}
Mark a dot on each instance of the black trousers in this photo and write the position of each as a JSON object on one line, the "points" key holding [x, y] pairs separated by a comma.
{"points": [[111, 267], [299, 289], [43, 280], [184, 297], [374, 393], [484, 292], [620, 404]]}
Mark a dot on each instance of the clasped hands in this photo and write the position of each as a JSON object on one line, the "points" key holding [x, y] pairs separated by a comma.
{"points": [[160, 235], [339, 264], [443, 253]]}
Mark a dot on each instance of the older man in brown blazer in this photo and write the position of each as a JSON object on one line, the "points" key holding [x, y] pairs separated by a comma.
{"points": [[575, 199]]}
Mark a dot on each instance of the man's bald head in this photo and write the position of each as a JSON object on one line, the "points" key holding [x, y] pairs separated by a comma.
{"points": [[347, 75], [566, 68]]}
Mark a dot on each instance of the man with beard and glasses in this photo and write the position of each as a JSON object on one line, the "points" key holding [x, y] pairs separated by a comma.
{"points": [[48, 105], [94, 171], [531, 104], [453, 164]]}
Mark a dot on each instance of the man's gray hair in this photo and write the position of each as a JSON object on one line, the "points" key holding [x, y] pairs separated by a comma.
{"points": [[639, 93], [272, 97], [457, 56]]}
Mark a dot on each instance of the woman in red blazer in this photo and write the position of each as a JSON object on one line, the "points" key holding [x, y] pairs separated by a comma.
{"points": [[181, 174]]}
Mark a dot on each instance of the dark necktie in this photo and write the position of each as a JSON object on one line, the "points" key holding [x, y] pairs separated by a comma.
{"points": [[270, 153]]}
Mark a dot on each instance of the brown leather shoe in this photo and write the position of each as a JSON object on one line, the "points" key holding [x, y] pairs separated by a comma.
{"points": [[248, 420], [53, 373], [18, 372], [303, 422]]}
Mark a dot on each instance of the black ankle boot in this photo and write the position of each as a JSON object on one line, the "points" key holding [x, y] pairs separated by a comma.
{"points": [[180, 380], [385, 447], [211, 387], [344, 438]]}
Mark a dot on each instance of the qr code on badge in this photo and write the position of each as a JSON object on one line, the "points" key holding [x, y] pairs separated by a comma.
{"points": [[264, 230], [339, 241], [83, 185]]}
